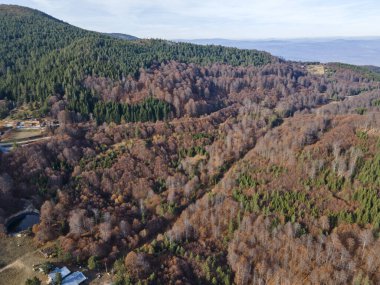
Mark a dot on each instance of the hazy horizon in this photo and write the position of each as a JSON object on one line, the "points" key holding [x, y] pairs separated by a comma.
{"points": [[195, 19], [358, 51], [361, 49], [285, 39]]}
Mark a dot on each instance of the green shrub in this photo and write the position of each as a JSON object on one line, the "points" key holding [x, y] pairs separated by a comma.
{"points": [[92, 263], [33, 281]]}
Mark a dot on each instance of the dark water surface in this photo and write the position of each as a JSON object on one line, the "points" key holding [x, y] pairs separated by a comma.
{"points": [[23, 222]]}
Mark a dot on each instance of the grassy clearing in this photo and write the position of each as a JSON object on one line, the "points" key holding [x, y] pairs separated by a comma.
{"points": [[317, 69], [12, 248], [22, 269], [13, 276], [21, 134], [17, 256]]}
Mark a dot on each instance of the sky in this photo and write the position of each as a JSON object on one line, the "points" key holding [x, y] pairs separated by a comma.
{"points": [[200, 19]]}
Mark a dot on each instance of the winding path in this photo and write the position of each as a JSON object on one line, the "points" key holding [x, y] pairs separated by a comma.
{"points": [[18, 263]]}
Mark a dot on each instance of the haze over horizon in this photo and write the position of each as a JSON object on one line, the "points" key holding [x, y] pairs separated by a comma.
{"points": [[358, 51], [195, 19]]}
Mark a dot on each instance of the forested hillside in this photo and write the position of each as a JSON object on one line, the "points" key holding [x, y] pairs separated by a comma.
{"points": [[41, 58], [181, 164]]}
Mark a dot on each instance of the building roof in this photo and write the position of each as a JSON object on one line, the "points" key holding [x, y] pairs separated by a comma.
{"points": [[64, 272], [74, 279]]}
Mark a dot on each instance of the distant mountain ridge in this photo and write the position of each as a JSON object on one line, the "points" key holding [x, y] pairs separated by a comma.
{"points": [[358, 51]]}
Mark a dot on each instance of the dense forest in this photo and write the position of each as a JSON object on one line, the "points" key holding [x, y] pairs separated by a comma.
{"points": [[41, 57], [182, 164]]}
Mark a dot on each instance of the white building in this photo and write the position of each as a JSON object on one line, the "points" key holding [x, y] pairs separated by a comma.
{"points": [[53, 275], [75, 278]]}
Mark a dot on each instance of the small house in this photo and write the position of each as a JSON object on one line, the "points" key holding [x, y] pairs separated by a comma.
{"points": [[49, 252], [20, 125]]}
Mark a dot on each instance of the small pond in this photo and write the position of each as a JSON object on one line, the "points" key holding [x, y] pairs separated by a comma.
{"points": [[5, 149], [22, 222]]}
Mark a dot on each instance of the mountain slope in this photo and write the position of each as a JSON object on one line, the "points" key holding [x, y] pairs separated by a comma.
{"points": [[28, 34], [206, 165], [180, 199], [42, 57]]}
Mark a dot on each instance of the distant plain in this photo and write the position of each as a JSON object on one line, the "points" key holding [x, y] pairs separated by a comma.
{"points": [[358, 51]]}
